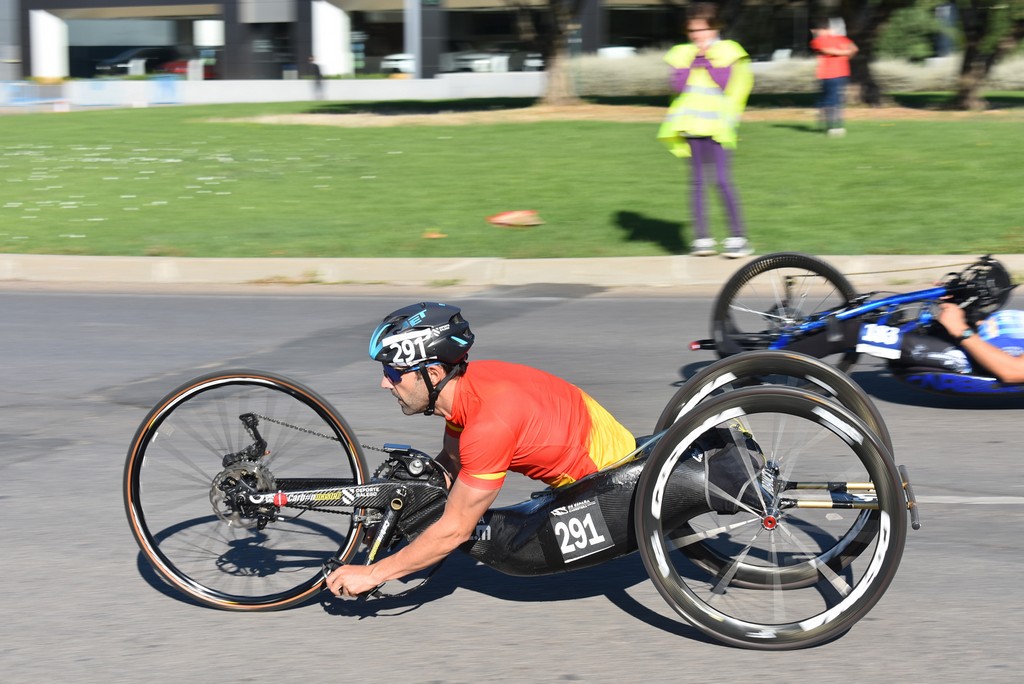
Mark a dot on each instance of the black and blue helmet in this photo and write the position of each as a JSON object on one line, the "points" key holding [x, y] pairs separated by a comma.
{"points": [[422, 333]]}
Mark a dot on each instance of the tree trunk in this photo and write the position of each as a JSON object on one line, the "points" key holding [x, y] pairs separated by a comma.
{"points": [[972, 76], [978, 24], [864, 19], [562, 15], [560, 89], [975, 22]]}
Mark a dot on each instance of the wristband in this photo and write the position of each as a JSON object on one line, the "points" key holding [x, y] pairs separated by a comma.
{"points": [[969, 332]]}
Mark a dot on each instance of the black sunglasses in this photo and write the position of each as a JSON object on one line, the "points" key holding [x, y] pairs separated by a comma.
{"points": [[394, 375]]}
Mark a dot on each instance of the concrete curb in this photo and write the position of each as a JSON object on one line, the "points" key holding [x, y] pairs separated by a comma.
{"points": [[864, 272]]}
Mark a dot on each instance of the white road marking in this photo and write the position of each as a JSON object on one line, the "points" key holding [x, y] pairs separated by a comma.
{"points": [[973, 500]]}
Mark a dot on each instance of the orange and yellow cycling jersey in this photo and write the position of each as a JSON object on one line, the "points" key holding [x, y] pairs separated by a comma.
{"points": [[512, 417]]}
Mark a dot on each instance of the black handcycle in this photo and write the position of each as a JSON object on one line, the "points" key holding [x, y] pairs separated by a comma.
{"points": [[768, 517], [797, 302]]}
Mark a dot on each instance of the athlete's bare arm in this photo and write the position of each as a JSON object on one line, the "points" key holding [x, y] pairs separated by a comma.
{"points": [[464, 508], [1006, 367]]}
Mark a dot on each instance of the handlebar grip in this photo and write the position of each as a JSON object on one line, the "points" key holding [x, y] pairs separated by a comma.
{"points": [[333, 564], [915, 515], [373, 593]]}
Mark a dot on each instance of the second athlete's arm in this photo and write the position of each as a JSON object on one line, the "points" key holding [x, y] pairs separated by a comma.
{"points": [[1006, 367]]}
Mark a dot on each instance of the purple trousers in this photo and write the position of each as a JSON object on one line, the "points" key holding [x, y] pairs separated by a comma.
{"points": [[705, 152]]}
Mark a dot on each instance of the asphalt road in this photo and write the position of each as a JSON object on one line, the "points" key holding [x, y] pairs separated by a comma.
{"points": [[80, 369]]}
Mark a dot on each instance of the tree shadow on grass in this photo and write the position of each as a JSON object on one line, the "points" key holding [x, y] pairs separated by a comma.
{"points": [[640, 228], [944, 101], [773, 100]]}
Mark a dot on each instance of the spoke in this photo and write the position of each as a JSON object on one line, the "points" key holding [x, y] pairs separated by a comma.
{"points": [[746, 429], [837, 582], [780, 299], [778, 594], [778, 437], [168, 476], [712, 488], [680, 542], [171, 447], [730, 572], [762, 314], [790, 457]]}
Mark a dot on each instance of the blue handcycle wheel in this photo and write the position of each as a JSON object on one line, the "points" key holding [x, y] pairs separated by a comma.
{"points": [[771, 297]]}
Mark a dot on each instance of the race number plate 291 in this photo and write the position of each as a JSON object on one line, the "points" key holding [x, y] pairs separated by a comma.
{"points": [[580, 530]]}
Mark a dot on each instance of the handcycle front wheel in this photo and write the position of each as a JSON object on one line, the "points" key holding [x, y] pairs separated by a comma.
{"points": [[229, 430], [773, 295], [782, 586]]}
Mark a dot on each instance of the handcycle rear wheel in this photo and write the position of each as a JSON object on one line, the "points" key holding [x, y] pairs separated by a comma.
{"points": [[193, 444], [783, 586], [774, 293], [779, 368], [776, 368]]}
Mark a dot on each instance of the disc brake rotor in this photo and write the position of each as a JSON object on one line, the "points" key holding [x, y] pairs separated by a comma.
{"points": [[225, 505]]}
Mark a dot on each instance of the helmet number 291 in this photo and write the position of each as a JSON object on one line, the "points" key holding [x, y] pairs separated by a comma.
{"points": [[409, 347]]}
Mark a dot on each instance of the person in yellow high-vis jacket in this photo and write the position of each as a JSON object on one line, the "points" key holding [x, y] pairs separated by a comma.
{"points": [[713, 79]]}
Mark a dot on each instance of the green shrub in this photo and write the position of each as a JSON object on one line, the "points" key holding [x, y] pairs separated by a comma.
{"points": [[910, 34]]}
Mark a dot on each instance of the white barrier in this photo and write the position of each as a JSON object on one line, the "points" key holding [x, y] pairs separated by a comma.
{"points": [[33, 96], [168, 90], [124, 93], [173, 90]]}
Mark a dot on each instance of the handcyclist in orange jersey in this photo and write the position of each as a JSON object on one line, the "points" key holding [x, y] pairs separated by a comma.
{"points": [[499, 417]]}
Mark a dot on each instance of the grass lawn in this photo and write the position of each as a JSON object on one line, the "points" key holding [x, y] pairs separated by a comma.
{"points": [[168, 181]]}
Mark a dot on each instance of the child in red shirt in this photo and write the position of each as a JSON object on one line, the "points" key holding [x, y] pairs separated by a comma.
{"points": [[834, 52]]}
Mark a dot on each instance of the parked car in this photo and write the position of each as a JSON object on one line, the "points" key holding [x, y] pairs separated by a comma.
{"points": [[521, 58], [534, 62], [121, 64], [398, 63], [180, 65], [405, 62], [616, 51], [499, 58], [478, 61]]}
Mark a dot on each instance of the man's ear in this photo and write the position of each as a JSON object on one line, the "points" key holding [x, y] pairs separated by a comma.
{"points": [[436, 373]]}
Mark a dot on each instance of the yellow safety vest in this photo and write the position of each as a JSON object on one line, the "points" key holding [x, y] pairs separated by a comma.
{"points": [[703, 109]]}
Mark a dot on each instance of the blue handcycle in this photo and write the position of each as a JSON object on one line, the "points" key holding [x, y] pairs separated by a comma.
{"points": [[797, 302]]}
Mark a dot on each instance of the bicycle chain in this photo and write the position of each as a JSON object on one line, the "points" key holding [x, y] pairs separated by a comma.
{"points": [[314, 432]]}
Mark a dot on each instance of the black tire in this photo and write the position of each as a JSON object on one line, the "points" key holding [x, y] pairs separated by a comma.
{"points": [[772, 292], [779, 368], [785, 368], [762, 599], [192, 538]]}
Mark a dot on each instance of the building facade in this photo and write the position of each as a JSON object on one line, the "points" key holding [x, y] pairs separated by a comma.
{"points": [[266, 39]]}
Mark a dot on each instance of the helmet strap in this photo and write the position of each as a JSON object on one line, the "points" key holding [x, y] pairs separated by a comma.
{"points": [[433, 392]]}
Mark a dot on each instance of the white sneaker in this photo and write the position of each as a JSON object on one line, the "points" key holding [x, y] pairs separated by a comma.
{"points": [[736, 247], [836, 132], [703, 247]]}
